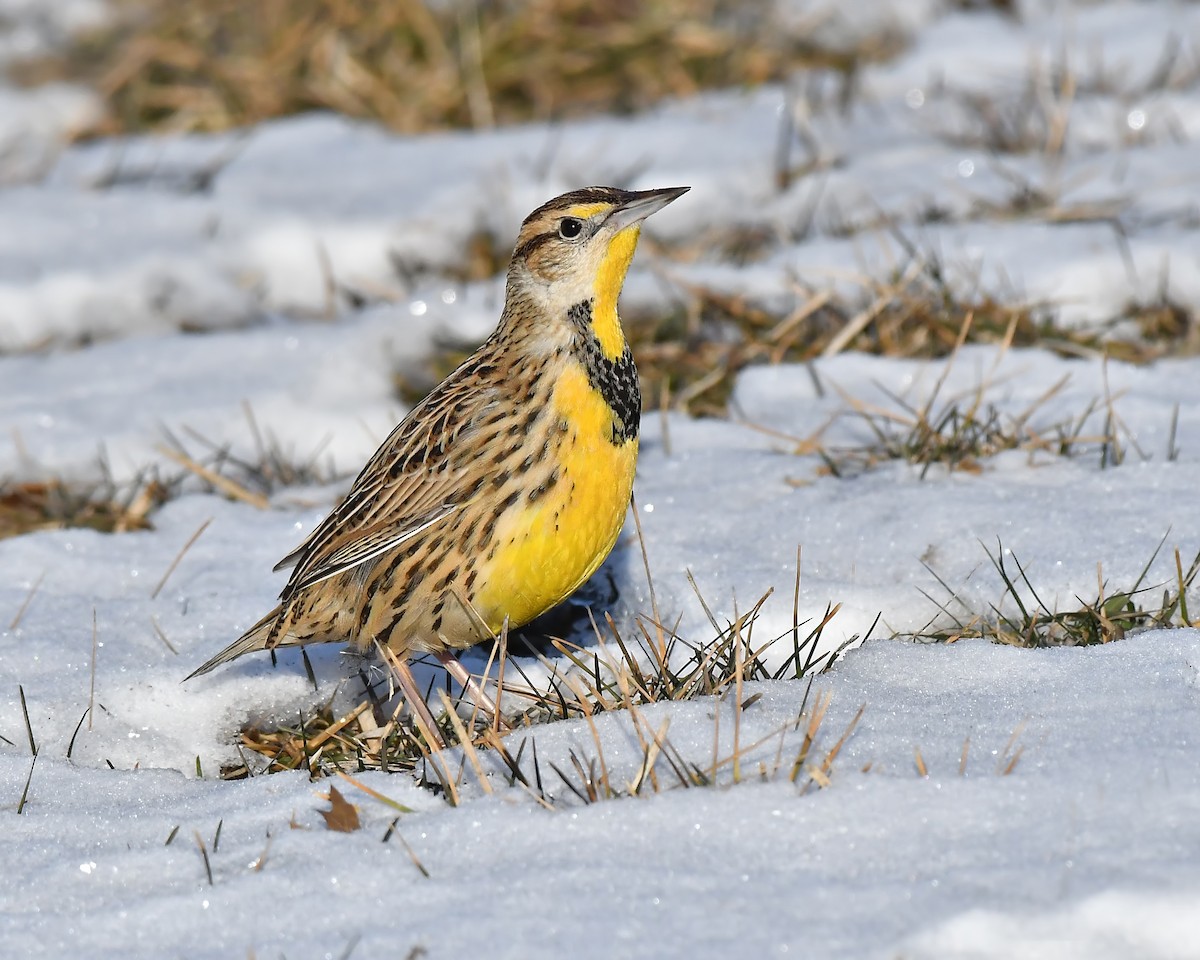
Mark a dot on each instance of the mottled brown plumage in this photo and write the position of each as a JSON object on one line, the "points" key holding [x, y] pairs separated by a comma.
{"points": [[505, 488]]}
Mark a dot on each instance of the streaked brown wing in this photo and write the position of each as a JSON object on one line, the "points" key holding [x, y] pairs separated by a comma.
{"points": [[418, 476]]}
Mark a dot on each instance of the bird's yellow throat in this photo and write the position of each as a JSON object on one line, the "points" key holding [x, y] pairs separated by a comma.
{"points": [[609, 279]]}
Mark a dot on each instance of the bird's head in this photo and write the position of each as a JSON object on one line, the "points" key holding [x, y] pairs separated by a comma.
{"points": [[577, 247]]}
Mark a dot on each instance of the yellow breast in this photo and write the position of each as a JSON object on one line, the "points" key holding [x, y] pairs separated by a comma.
{"points": [[548, 548]]}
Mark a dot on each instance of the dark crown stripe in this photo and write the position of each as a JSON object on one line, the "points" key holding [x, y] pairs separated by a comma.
{"points": [[575, 197]]}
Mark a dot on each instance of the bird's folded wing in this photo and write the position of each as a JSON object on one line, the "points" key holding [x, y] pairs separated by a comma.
{"points": [[421, 474], [366, 545]]}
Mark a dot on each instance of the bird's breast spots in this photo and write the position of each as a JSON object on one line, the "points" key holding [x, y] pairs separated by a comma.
{"points": [[602, 401], [551, 544], [616, 381]]}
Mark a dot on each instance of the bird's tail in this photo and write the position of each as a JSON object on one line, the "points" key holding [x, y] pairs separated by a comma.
{"points": [[258, 637]]}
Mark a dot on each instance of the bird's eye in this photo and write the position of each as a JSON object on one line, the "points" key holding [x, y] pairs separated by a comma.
{"points": [[570, 227]]}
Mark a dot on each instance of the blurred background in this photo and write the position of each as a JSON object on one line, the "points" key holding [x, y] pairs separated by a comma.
{"points": [[419, 65]]}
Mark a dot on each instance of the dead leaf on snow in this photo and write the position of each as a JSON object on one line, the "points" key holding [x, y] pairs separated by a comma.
{"points": [[342, 815]]}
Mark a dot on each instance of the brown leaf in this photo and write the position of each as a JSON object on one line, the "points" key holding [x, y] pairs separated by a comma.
{"points": [[342, 815]]}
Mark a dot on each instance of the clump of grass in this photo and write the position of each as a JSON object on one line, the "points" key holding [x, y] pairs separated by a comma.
{"points": [[1109, 616], [418, 65], [252, 479], [655, 665], [956, 436], [56, 504], [689, 357], [1172, 327], [960, 432], [1035, 115], [111, 507]]}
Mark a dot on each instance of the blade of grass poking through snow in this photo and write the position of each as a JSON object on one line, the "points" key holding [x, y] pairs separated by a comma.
{"points": [[92, 681], [500, 651], [203, 856], [922, 770], [629, 704], [749, 748], [604, 780], [820, 705], [1183, 584], [257, 864], [650, 757], [464, 740], [178, 557], [28, 726], [158, 632], [75, 733], [637, 522], [412, 854], [25, 789], [19, 615], [1009, 756], [738, 670], [796, 610], [821, 776]]}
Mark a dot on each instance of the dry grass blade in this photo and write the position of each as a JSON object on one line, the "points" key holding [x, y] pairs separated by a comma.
{"points": [[650, 754], [232, 489], [203, 856], [864, 318], [28, 726], [92, 671], [25, 790], [922, 770], [815, 718], [178, 557], [412, 856], [20, 614], [158, 632], [820, 775], [465, 741], [375, 794]]}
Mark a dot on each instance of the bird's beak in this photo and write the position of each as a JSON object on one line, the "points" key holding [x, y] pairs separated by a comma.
{"points": [[639, 204]]}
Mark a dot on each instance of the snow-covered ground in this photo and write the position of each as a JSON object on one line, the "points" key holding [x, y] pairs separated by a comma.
{"points": [[163, 288]]}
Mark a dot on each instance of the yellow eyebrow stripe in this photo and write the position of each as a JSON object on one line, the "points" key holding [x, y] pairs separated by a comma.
{"points": [[585, 210]]}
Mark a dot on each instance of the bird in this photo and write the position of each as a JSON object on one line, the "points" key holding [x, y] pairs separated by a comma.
{"points": [[506, 487]]}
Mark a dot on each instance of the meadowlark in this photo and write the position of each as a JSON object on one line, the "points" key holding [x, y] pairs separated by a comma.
{"points": [[506, 487]]}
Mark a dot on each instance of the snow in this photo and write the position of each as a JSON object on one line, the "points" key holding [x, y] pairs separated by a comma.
{"points": [[1075, 853], [154, 290]]}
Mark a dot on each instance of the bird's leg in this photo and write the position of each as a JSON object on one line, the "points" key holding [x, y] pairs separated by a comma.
{"points": [[416, 702], [460, 673]]}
